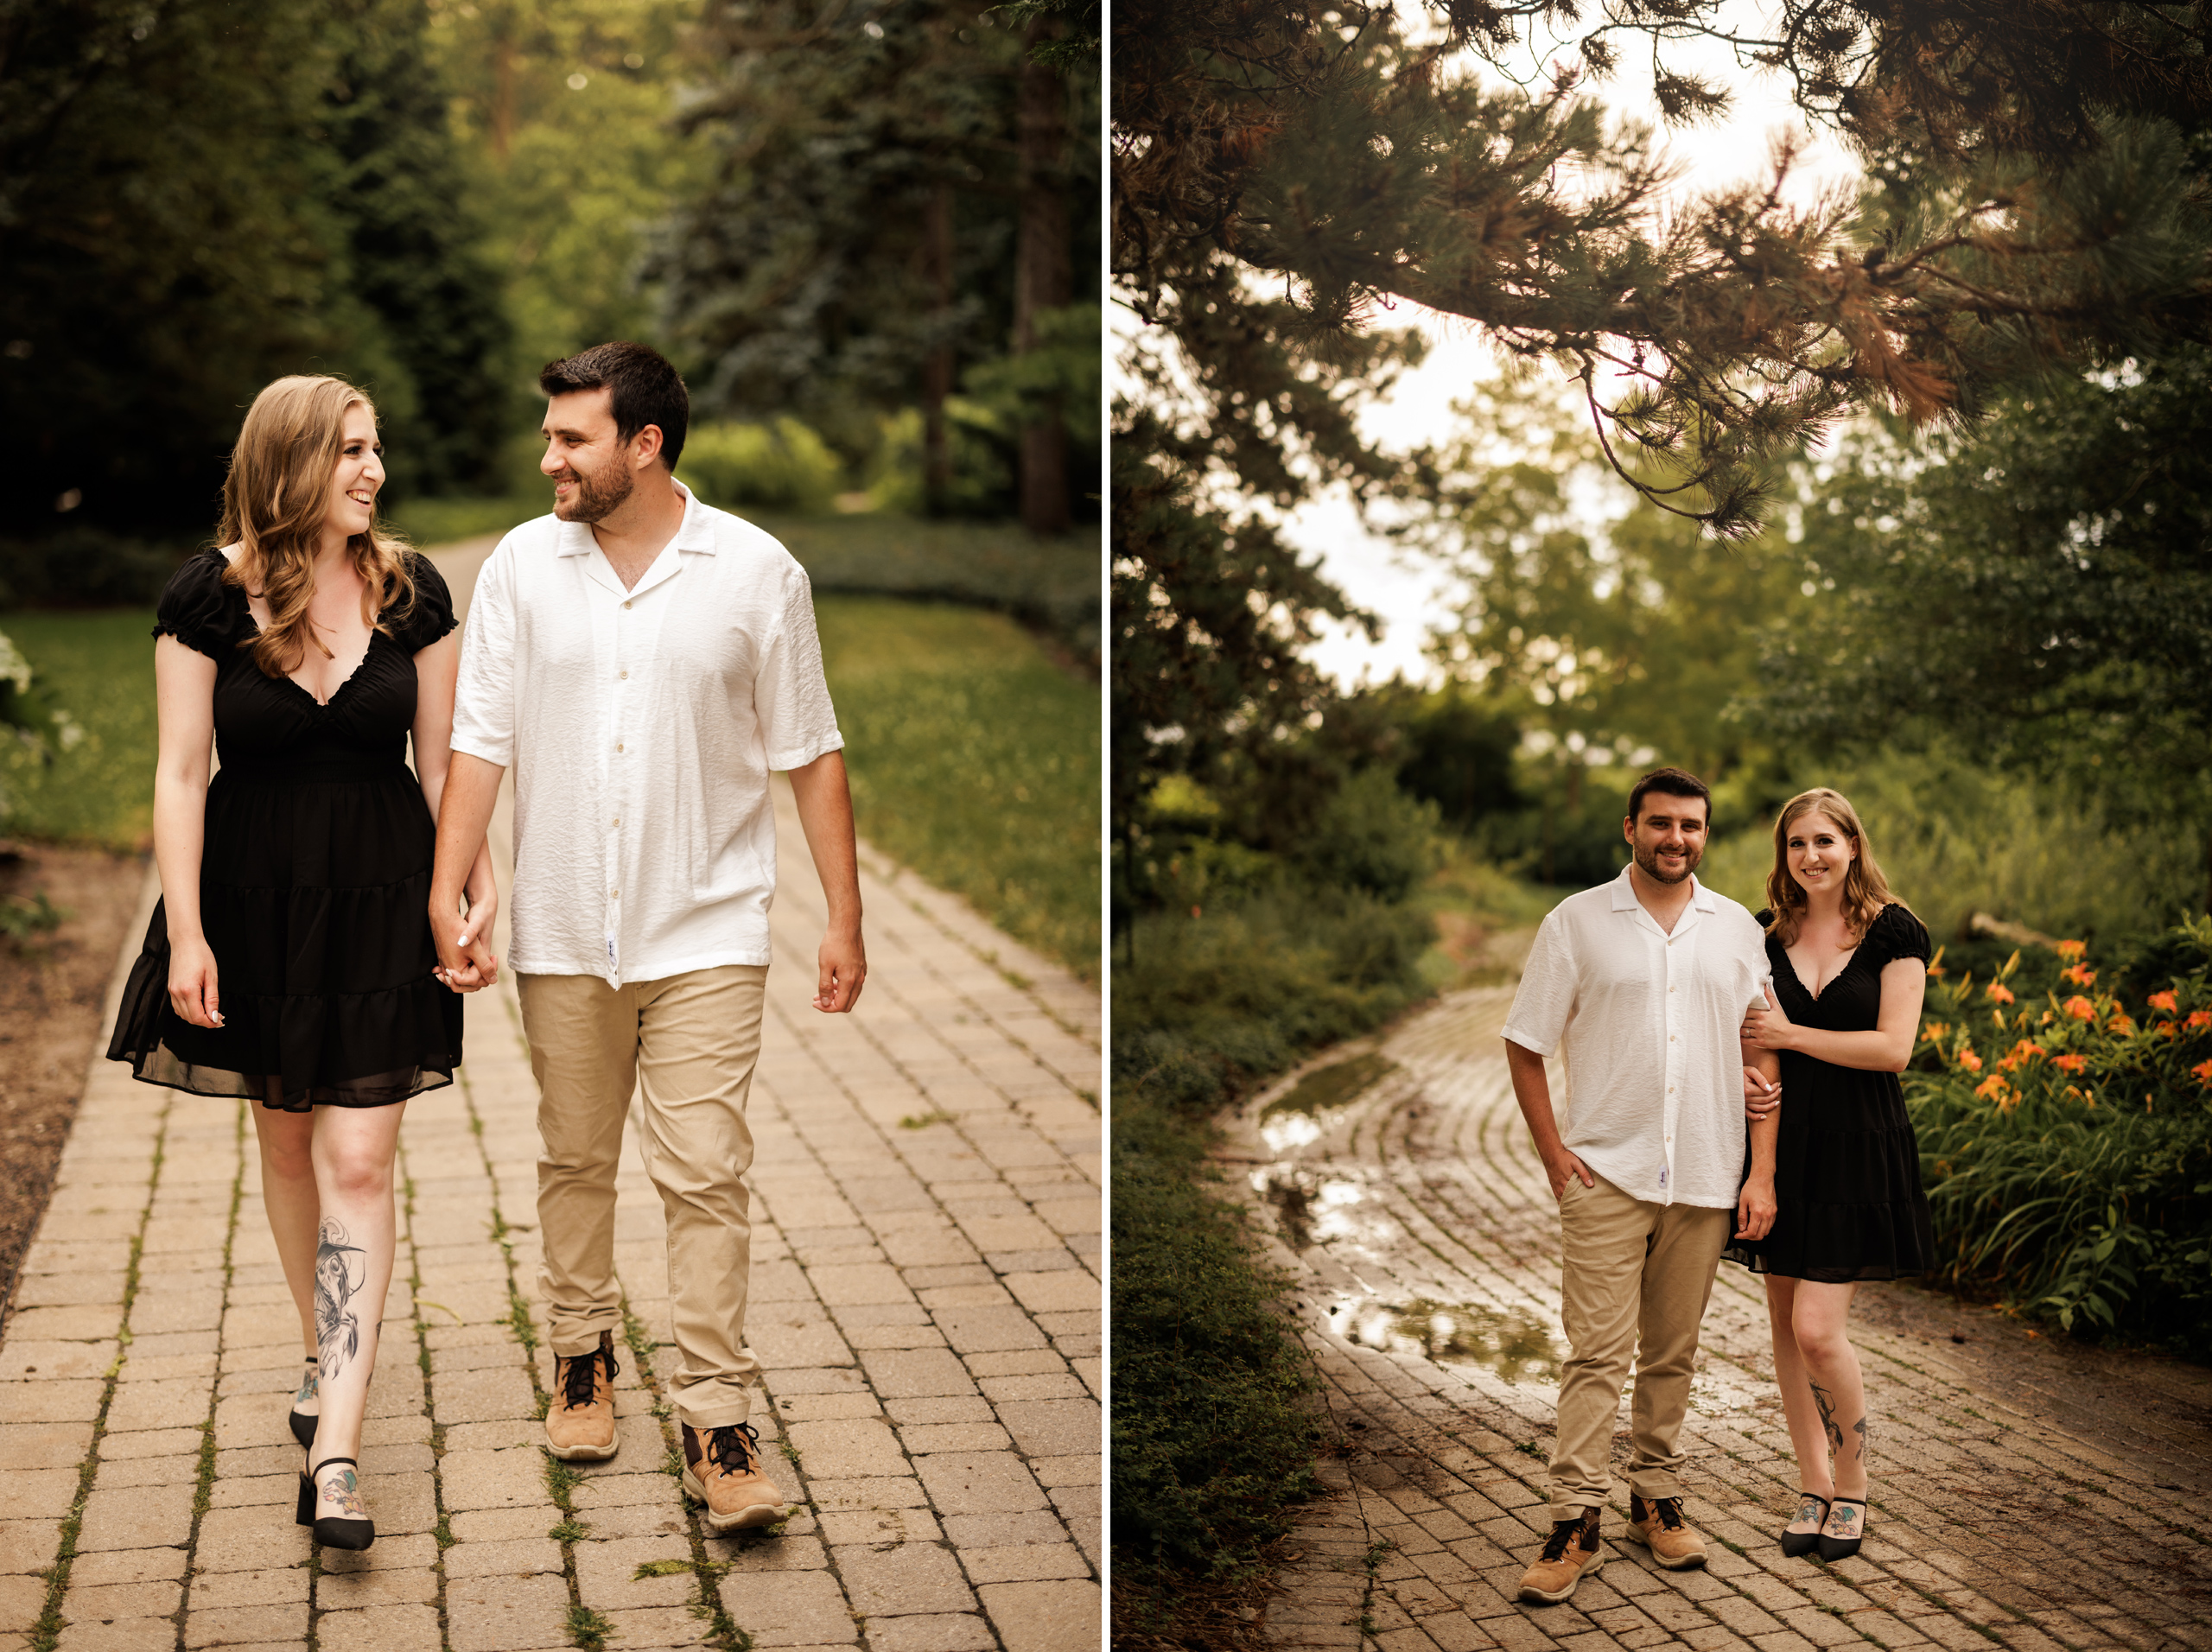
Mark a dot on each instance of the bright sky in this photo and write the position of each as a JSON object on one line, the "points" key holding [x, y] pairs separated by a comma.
{"points": [[1411, 595]]}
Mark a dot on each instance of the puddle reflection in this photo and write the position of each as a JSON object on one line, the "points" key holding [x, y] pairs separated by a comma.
{"points": [[1514, 1345]]}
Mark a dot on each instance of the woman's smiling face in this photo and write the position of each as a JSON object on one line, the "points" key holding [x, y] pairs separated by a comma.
{"points": [[1820, 852], [358, 474]]}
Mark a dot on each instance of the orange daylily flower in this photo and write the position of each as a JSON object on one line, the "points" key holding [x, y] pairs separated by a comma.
{"points": [[1970, 1061], [2080, 1008], [2072, 949], [2120, 1023], [2203, 1072], [2069, 1063], [2164, 1002], [2079, 975], [2198, 1020], [1999, 993], [2019, 1053], [1993, 1085]]}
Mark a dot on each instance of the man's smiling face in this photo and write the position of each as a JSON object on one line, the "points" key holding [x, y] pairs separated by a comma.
{"points": [[1668, 838], [589, 465]]}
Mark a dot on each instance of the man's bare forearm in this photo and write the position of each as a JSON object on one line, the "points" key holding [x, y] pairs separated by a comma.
{"points": [[825, 815]]}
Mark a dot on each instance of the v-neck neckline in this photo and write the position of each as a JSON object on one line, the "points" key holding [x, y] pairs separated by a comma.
{"points": [[344, 683], [1817, 995]]}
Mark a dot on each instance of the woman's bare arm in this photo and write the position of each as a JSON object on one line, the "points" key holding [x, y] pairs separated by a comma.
{"points": [[436, 668], [1887, 1048], [184, 699]]}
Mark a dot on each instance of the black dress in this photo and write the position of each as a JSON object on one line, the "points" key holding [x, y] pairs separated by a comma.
{"points": [[314, 876], [1847, 1177]]}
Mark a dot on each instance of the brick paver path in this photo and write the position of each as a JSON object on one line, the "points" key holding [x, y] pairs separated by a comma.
{"points": [[2026, 1494], [926, 1305]]}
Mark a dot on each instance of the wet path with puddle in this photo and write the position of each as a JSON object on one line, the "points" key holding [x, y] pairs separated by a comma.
{"points": [[2026, 1494]]}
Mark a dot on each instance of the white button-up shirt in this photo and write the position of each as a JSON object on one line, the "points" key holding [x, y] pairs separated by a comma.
{"points": [[1647, 1022], [642, 724]]}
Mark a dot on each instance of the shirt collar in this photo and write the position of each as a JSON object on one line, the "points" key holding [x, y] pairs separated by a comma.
{"points": [[696, 532], [1701, 899]]}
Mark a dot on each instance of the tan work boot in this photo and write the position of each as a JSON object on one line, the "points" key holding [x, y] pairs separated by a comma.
{"points": [[1659, 1526], [721, 1468], [580, 1422], [1571, 1553]]}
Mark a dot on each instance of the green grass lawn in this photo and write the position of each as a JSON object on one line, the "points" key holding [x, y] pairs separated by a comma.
{"points": [[98, 667], [975, 758], [1048, 583]]}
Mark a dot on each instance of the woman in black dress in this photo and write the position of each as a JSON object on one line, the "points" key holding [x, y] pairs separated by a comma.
{"points": [[290, 960], [1850, 968]]}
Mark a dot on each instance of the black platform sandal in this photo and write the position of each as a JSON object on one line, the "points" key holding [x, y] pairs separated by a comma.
{"points": [[1795, 1544], [330, 1531], [1842, 1548], [303, 1422]]}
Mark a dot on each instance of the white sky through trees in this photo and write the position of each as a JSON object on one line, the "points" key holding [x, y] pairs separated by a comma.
{"points": [[1409, 593]]}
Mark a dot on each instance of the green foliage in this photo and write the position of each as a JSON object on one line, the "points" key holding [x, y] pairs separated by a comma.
{"points": [[974, 759], [199, 198], [1213, 1440], [1955, 836], [85, 566], [897, 196], [568, 179], [1213, 1434], [2038, 587], [27, 918], [2068, 1144], [88, 773], [779, 466]]}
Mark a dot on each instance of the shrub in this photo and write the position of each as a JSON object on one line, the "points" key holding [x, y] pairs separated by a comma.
{"points": [[2067, 1143], [83, 568], [782, 467]]}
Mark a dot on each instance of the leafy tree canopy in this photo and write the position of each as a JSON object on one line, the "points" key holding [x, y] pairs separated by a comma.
{"points": [[200, 195]]}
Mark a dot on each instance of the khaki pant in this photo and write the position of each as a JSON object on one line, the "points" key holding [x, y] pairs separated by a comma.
{"points": [[1636, 1278], [687, 1045]]}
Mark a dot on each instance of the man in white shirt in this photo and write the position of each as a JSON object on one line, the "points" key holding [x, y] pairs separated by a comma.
{"points": [[1641, 986], [644, 661]]}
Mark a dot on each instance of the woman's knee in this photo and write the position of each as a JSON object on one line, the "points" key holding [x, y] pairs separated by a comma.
{"points": [[287, 1154], [1821, 1339], [353, 1175]]}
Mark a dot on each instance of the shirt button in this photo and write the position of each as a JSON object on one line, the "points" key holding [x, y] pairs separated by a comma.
{"points": [[1670, 1089], [618, 745], [625, 605], [618, 820], [616, 894]]}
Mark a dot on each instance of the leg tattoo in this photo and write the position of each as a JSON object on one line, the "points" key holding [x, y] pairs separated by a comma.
{"points": [[1860, 1429], [1828, 1418], [343, 1488], [338, 1328], [309, 1386]]}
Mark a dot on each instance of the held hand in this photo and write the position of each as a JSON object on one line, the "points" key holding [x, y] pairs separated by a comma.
{"points": [[466, 961], [192, 983], [1760, 1098], [1766, 1027], [843, 963], [1755, 1208], [1565, 1168]]}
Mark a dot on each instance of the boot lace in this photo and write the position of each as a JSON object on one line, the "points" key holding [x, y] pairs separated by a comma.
{"points": [[580, 1382], [1669, 1511], [1564, 1534], [729, 1452]]}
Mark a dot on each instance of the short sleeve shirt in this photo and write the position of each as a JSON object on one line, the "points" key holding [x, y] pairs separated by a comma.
{"points": [[642, 724], [1647, 1024]]}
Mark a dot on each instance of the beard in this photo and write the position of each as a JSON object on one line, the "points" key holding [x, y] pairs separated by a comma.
{"points": [[1649, 860], [599, 493]]}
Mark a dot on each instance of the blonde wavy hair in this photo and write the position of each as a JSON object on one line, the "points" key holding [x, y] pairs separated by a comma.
{"points": [[1865, 890], [274, 501]]}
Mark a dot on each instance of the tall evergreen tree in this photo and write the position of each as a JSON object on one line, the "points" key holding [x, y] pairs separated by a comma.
{"points": [[898, 195], [197, 196]]}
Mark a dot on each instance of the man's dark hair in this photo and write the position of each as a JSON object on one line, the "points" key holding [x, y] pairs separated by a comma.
{"points": [[1672, 783], [641, 384]]}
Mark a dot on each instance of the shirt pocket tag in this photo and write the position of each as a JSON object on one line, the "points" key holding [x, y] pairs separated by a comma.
{"points": [[1662, 1176]]}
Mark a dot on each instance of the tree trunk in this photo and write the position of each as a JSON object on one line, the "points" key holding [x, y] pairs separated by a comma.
{"points": [[1041, 275], [938, 366]]}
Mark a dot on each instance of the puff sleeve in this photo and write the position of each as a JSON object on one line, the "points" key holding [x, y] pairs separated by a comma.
{"points": [[1898, 934], [198, 610], [431, 617]]}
